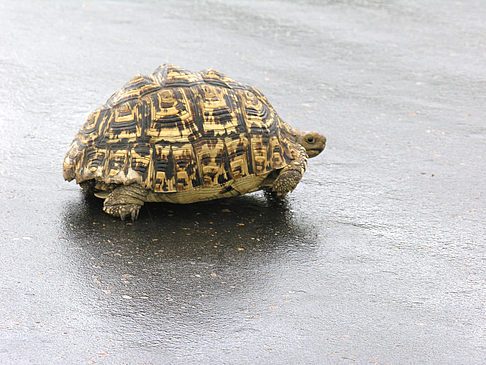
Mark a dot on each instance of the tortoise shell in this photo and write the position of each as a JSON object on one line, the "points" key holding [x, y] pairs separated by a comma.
{"points": [[175, 130]]}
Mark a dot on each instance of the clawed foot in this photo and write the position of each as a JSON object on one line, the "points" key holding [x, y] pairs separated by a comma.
{"points": [[123, 210], [125, 201], [286, 182]]}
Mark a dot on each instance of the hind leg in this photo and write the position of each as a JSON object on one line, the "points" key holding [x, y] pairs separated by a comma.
{"points": [[125, 200]]}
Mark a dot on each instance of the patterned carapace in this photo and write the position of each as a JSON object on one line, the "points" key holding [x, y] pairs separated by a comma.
{"points": [[176, 130]]}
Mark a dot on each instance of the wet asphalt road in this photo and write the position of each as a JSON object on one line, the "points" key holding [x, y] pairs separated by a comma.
{"points": [[377, 257]]}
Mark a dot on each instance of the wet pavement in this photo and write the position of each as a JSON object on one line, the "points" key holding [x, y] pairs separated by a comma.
{"points": [[377, 257]]}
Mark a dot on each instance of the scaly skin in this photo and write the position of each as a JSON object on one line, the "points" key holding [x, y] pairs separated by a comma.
{"points": [[125, 200], [290, 175]]}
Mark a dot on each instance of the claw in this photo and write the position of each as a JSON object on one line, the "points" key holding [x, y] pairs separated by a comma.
{"points": [[134, 213], [123, 211]]}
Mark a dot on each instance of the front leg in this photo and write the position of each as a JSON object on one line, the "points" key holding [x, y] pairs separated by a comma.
{"points": [[290, 175], [125, 200]]}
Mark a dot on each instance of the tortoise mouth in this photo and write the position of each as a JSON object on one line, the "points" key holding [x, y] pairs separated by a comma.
{"points": [[312, 152]]}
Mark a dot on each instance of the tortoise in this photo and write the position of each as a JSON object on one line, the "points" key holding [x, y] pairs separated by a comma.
{"points": [[182, 137]]}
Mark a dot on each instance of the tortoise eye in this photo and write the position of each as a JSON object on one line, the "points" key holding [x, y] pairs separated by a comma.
{"points": [[310, 139]]}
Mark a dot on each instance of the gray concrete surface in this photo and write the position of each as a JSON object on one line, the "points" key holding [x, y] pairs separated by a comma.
{"points": [[378, 257]]}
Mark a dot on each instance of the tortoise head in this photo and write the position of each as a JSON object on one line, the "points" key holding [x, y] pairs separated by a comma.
{"points": [[313, 142]]}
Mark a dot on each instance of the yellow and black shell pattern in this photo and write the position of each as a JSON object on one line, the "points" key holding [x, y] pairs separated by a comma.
{"points": [[176, 130]]}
